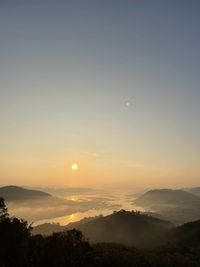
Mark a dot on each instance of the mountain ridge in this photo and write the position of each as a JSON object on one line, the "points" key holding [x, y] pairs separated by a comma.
{"points": [[16, 193], [125, 227]]}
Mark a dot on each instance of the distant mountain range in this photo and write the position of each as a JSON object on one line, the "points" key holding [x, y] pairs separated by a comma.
{"points": [[157, 197], [178, 206], [36, 205], [162, 206], [15, 193]]}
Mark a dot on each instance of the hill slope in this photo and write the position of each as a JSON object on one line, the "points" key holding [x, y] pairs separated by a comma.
{"points": [[177, 206], [166, 197], [186, 235], [128, 228], [193, 190], [15, 193]]}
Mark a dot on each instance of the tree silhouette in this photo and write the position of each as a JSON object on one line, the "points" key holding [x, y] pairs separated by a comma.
{"points": [[14, 236], [3, 209], [60, 249]]}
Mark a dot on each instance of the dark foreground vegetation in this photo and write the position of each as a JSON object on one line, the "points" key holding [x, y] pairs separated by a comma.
{"points": [[70, 249]]}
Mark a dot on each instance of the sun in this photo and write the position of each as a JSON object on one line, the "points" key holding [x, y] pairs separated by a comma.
{"points": [[74, 167]]}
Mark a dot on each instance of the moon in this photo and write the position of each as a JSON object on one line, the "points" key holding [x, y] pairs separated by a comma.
{"points": [[74, 167]]}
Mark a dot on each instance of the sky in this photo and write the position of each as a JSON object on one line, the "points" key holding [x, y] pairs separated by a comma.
{"points": [[110, 85]]}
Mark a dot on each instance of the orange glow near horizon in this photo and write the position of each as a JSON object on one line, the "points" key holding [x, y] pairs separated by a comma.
{"points": [[71, 216]]}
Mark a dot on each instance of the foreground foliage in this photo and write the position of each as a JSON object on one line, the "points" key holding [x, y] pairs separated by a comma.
{"points": [[70, 249]]}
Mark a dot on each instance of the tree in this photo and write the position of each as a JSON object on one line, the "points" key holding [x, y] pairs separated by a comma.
{"points": [[14, 249], [62, 249], [3, 210]]}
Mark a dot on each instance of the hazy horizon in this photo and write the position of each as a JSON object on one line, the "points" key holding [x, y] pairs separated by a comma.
{"points": [[100, 133], [100, 93]]}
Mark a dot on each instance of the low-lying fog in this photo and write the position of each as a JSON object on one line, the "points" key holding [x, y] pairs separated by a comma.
{"points": [[73, 205]]}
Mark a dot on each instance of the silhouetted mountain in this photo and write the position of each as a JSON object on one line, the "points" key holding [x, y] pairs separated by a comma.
{"points": [[35, 205], [177, 206], [128, 228], [193, 190], [186, 235], [166, 196], [14, 193]]}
